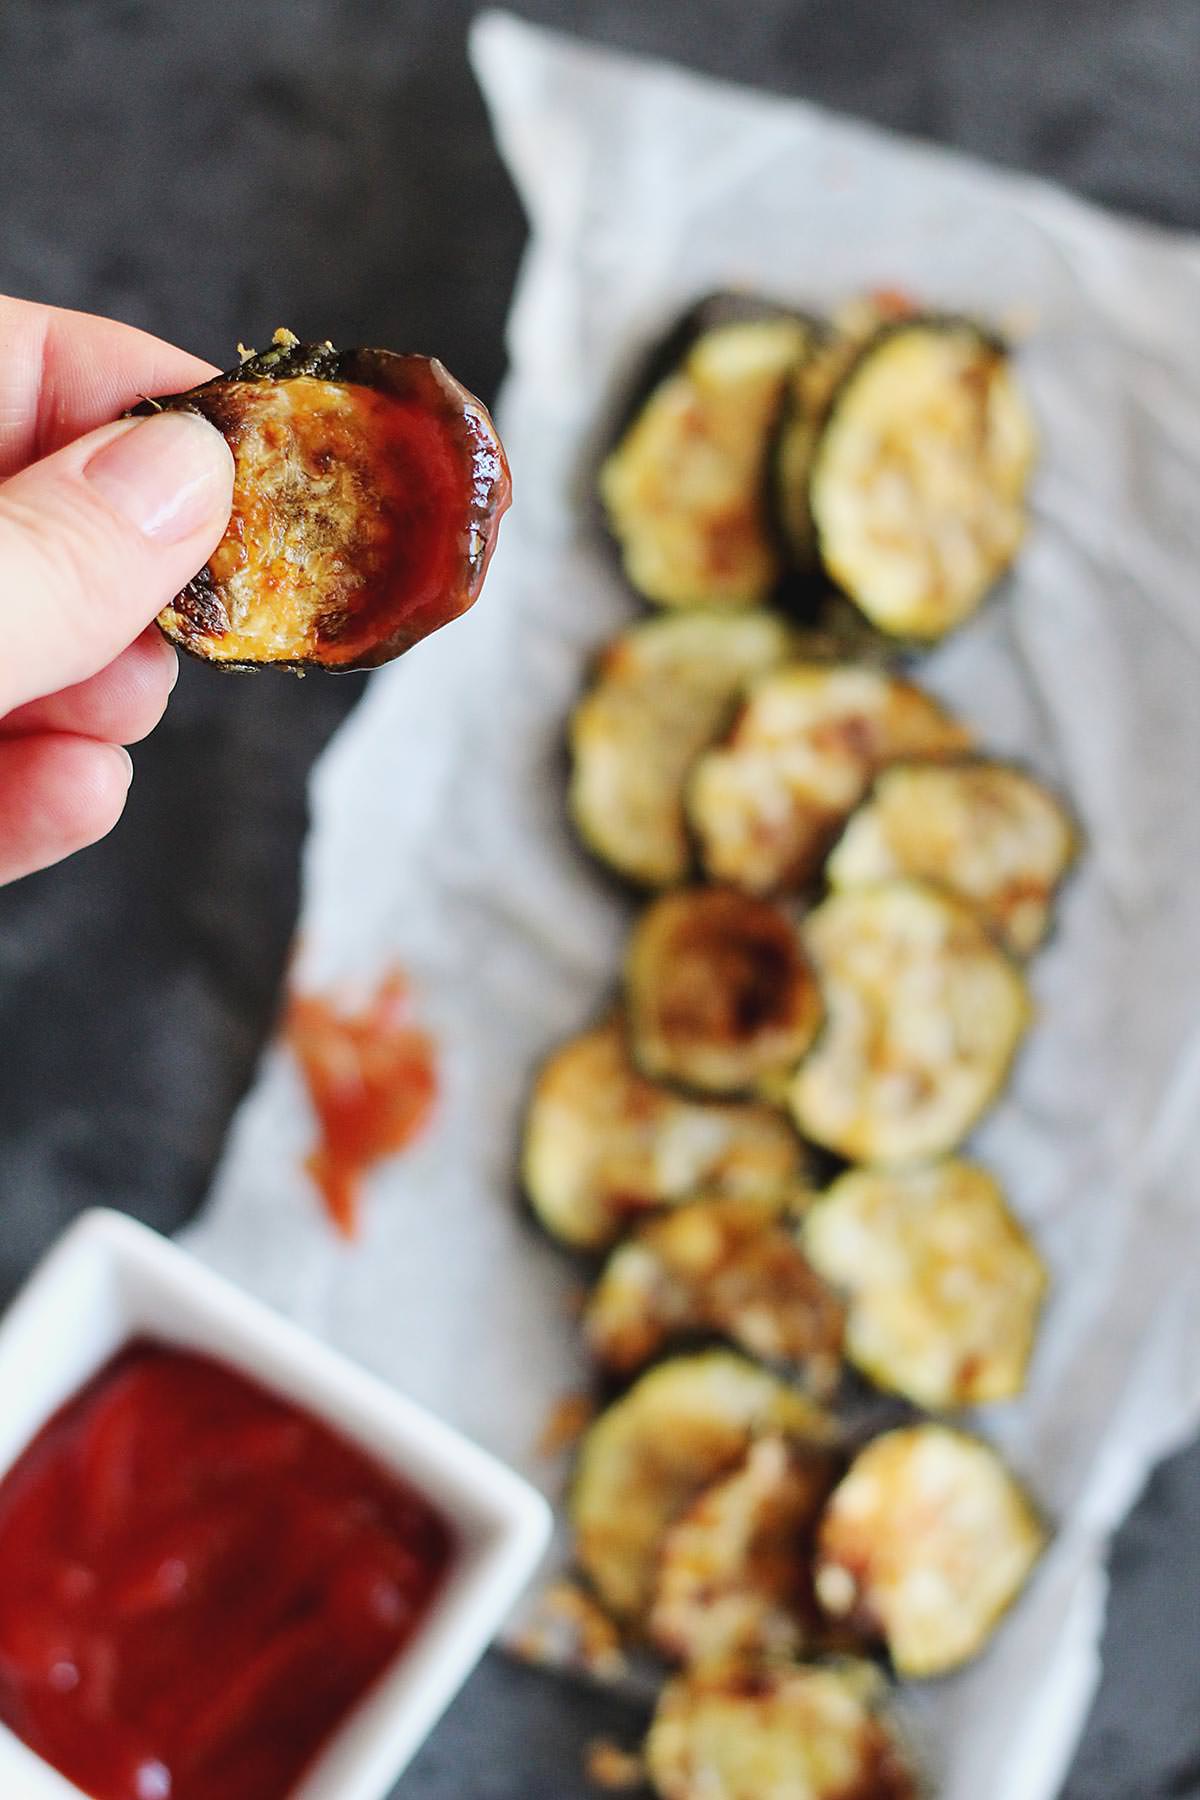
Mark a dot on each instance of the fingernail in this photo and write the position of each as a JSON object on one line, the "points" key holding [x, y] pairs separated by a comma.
{"points": [[167, 475], [126, 761]]}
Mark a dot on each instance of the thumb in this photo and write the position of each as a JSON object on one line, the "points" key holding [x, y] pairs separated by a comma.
{"points": [[96, 539]]}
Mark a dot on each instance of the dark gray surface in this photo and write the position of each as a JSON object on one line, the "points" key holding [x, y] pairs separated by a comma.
{"points": [[211, 171]]}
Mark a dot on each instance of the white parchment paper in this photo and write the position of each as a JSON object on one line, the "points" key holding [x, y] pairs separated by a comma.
{"points": [[439, 839]]}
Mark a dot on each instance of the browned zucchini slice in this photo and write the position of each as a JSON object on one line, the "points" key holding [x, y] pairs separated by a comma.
{"points": [[926, 1542], [368, 492], [944, 1285], [603, 1144], [811, 386], [992, 834], [917, 492], [719, 990], [923, 1015], [729, 1266], [664, 691], [735, 1576], [685, 488], [767, 803], [646, 1458], [778, 1732]]}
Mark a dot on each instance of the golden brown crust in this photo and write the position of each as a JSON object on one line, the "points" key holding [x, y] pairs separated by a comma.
{"points": [[785, 1732], [767, 803], [924, 1014], [603, 1145], [944, 1287], [735, 1574], [926, 1542], [662, 692], [985, 830], [720, 991], [729, 1266], [649, 1454]]}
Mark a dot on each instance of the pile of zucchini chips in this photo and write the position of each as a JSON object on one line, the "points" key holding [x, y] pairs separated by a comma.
{"points": [[761, 1146]]}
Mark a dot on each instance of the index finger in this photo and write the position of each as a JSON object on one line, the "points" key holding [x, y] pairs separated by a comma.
{"points": [[62, 373]]}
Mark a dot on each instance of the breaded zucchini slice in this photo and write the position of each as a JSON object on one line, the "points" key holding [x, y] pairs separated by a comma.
{"points": [[685, 488], [735, 1574], [766, 804], [780, 1732], [648, 1455], [733, 1267], [923, 1015], [368, 492], [808, 396], [944, 1286], [985, 830], [603, 1144], [663, 692], [926, 1542], [719, 990], [917, 489]]}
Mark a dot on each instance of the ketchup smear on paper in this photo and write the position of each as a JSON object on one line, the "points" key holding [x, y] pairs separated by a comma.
{"points": [[372, 1077], [198, 1581]]}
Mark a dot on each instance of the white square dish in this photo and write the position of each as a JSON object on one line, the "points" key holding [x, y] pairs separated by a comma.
{"points": [[110, 1280]]}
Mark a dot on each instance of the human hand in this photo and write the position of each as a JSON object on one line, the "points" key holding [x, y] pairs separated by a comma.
{"points": [[97, 533]]}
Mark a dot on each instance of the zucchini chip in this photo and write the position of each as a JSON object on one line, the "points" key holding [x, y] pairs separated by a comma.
{"points": [[767, 803], [807, 399], [735, 1576], [368, 492], [944, 1286], [926, 1542], [785, 1732], [685, 488], [728, 1266], [983, 829], [652, 1452], [923, 1015], [603, 1144], [918, 483], [664, 691], [719, 989]]}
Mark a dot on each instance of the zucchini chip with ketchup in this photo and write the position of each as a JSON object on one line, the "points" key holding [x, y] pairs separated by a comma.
{"points": [[766, 804], [603, 1144], [925, 1543], [648, 1456], [923, 1015], [685, 489], [917, 490], [368, 491], [944, 1287], [983, 829], [663, 692], [720, 992], [735, 1574], [781, 1731], [733, 1267]]}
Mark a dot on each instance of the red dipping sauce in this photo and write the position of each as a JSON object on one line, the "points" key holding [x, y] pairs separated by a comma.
{"points": [[198, 1581], [372, 1078]]}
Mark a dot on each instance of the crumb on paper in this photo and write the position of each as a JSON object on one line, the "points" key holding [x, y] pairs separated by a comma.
{"points": [[569, 1629], [893, 302], [566, 1422], [607, 1766]]}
